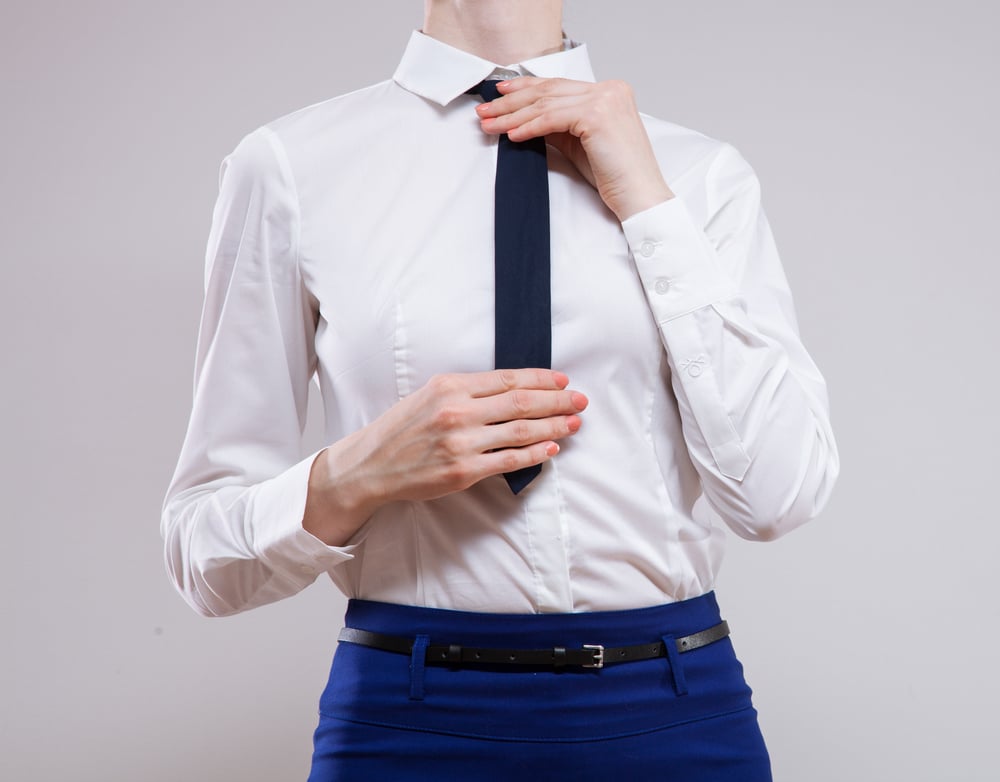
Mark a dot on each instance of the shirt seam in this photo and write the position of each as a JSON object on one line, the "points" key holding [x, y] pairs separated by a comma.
{"points": [[660, 368]]}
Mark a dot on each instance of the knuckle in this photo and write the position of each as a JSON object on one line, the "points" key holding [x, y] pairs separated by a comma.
{"points": [[443, 383], [447, 417], [522, 432], [619, 87], [510, 461], [508, 378], [453, 446], [519, 402], [457, 474]]}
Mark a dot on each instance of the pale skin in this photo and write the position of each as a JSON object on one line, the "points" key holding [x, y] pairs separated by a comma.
{"points": [[461, 428]]}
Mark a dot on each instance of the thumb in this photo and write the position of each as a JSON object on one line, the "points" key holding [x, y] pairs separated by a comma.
{"points": [[569, 147]]}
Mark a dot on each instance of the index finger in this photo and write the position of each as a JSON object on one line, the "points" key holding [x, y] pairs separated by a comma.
{"points": [[517, 93], [497, 381]]}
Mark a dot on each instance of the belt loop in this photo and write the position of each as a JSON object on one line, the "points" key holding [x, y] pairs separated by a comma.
{"points": [[676, 667], [418, 658]]}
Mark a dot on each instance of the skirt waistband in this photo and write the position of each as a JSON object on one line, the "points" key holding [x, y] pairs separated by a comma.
{"points": [[623, 627], [378, 687]]}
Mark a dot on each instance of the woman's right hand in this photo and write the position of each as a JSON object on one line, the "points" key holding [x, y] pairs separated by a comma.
{"points": [[452, 433]]}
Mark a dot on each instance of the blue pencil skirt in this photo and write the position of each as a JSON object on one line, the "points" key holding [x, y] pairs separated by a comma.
{"points": [[386, 716]]}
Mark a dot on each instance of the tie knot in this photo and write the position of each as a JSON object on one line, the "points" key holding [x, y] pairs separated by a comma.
{"points": [[487, 90]]}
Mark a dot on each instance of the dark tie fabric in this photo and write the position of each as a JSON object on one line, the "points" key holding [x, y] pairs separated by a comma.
{"points": [[523, 322]]}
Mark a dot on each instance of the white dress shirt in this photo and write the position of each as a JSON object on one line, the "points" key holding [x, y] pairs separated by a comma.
{"points": [[352, 242]]}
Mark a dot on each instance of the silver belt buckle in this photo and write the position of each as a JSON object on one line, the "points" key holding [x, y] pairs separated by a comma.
{"points": [[598, 651]]}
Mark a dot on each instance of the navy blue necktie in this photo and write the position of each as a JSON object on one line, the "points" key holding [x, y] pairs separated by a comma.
{"points": [[523, 321]]}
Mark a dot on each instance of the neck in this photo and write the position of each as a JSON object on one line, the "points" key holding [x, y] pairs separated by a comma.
{"points": [[504, 32]]}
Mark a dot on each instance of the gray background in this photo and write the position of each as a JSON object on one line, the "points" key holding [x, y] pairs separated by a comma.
{"points": [[873, 127]]}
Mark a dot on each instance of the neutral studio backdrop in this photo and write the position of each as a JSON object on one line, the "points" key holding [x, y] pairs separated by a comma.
{"points": [[867, 635]]}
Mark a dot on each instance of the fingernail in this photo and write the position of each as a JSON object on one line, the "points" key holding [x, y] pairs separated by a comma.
{"points": [[552, 449], [573, 424], [561, 380], [579, 400], [503, 83]]}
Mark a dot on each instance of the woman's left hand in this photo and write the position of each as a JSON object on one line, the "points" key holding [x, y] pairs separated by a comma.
{"points": [[595, 126]]}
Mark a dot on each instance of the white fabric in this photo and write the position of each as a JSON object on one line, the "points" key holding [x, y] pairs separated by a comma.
{"points": [[352, 242]]}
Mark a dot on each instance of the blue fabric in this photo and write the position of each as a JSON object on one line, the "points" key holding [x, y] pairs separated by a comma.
{"points": [[418, 662], [492, 722], [676, 665], [523, 320]]}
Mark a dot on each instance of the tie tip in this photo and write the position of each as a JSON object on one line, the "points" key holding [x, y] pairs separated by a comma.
{"points": [[519, 479]]}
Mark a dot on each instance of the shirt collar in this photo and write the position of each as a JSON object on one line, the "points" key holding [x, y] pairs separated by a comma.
{"points": [[440, 72]]}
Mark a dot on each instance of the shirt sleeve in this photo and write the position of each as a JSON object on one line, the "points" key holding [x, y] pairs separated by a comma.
{"points": [[753, 405], [232, 516]]}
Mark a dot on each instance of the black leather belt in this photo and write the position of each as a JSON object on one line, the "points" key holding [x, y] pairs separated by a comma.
{"points": [[588, 656]]}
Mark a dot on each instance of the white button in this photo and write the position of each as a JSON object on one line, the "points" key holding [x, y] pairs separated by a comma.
{"points": [[662, 285], [647, 249], [503, 74]]}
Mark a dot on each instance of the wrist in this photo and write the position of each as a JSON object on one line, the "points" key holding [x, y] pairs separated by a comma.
{"points": [[336, 504], [641, 199]]}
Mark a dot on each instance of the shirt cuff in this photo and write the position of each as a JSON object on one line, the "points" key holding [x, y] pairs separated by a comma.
{"points": [[677, 264], [280, 539]]}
